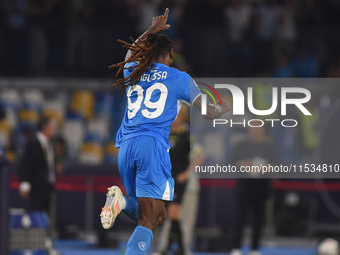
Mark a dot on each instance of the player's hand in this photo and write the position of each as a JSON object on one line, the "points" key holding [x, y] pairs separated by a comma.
{"points": [[159, 22], [225, 105]]}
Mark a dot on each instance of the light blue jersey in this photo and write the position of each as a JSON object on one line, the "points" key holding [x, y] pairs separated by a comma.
{"points": [[143, 138], [154, 102]]}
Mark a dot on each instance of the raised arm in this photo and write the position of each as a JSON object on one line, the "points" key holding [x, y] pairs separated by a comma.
{"points": [[158, 25], [213, 111]]}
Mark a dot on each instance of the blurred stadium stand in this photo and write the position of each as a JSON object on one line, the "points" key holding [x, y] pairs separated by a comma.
{"points": [[90, 129], [55, 62], [87, 118], [235, 38]]}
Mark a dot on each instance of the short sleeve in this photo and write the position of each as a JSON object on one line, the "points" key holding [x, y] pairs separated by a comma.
{"points": [[187, 89], [127, 72]]}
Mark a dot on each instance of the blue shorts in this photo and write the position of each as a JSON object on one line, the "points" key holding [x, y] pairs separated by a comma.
{"points": [[145, 168]]}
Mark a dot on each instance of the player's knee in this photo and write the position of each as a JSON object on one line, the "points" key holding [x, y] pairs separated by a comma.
{"points": [[151, 213]]}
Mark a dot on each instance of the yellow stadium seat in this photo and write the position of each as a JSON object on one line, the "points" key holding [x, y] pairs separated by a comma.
{"points": [[91, 153], [5, 127], [83, 101], [111, 150], [28, 115], [92, 148], [5, 130]]}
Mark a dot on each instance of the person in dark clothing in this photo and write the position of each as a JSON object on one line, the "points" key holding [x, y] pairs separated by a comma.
{"points": [[179, 154], [37, 171], [183, 157], [252, 193]]}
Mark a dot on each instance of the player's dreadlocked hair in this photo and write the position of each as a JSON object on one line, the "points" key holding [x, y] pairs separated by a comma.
{"points": [[144, 54]]}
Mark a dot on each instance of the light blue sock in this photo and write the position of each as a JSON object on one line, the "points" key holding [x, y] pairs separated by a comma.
{"points": [[131, 209], [139, 241]]}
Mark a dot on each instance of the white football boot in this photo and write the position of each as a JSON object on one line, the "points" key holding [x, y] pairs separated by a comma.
{"points": [[113, 206]]}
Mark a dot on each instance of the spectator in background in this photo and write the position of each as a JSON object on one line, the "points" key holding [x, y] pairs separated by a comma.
{"points": [[323, 56], [192, 34], [283, 69], [269, 14], [253, 45], [202, 31], [213, 39], [2, 43], [286, 32], [145, 10], [306, 64], [191, 198], [57, 38], [179, 61], [37, 171], [252, 193], [309, 19], [237, 16], [78, 14], [37, 17], [334, 71], [15, 12], [183, 158], [102, 36], [105, 31], [179, 154]]}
